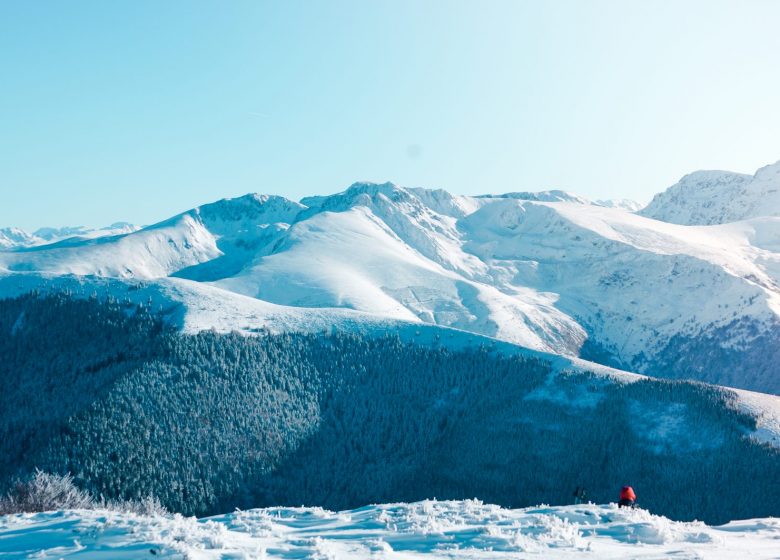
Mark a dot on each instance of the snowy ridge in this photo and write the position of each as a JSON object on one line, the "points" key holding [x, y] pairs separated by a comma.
{"points": [[624, 203], [542, 196], [429, 529], [152, 252]]}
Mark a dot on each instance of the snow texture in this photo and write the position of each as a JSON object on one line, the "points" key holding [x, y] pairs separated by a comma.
{"points": [[430, 529]]}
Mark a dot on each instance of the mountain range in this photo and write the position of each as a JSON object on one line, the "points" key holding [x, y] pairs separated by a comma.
{"points": [[685, 288]]}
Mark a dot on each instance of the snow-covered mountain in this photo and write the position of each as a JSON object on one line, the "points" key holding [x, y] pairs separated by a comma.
{"points": [[718, 197], [50, 235], [554, 195], [548, 271], [624, 203], [12, 238], [466, 530]]}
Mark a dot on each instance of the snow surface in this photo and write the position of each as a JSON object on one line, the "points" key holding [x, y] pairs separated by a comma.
{"points": [[766, 410], [430, 529]]}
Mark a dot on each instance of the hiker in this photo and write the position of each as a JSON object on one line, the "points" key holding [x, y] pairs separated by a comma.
{"points": [[627, 497], [580, 496]]}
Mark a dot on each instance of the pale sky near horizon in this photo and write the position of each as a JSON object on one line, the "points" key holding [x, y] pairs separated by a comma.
{"points": [[136, 110]]}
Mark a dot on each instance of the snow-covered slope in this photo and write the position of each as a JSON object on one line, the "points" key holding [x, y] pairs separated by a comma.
{"points": [[468, 530], [549, 271], [637, 284], [718, 197]]}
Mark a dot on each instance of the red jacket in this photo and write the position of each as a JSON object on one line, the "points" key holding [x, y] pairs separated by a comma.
{"points": [[627, 493]]}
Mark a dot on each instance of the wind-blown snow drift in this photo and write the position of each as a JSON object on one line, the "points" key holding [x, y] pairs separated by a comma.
{"points": [[468, 530]]}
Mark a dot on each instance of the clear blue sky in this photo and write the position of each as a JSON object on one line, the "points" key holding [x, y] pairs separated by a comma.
{"points": [[135, 110]]}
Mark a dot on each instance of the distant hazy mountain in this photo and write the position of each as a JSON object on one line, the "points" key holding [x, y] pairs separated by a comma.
{"points": [[624, 203], [564, 196], [549, 271], [541, 196], [14, 237], [11, 238]]}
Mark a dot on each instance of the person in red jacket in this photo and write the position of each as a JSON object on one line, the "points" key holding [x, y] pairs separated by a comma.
{"points": [[627, 497]]}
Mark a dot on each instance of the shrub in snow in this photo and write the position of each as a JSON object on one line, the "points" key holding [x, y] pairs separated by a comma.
{"points": [[49, 492], [145, 506], [44, 492]]}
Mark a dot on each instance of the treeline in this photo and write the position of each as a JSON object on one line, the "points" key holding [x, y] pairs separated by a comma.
{"points": [[207, 423]]}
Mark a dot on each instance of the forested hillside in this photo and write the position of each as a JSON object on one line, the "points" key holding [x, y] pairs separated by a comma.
{"points": [[211, 422]]}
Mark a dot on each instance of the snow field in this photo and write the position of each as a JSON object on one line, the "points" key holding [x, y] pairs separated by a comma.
{"points": [[430, 529]]}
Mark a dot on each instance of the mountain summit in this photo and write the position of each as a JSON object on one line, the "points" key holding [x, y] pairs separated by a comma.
{"points": [[718, 197]]}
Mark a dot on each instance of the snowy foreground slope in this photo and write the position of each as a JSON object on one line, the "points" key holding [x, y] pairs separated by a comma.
{"points": [[429, 529], [548, 271]]}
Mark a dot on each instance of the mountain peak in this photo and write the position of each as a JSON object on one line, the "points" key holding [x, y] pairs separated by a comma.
{"points": [[372, 188], [357, 194], [554, 195], [253, 207], [711, 197]]}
